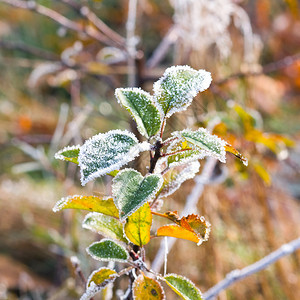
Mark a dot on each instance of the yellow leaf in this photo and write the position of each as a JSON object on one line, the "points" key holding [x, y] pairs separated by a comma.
{"points": [[230, 149], [100, 275], [146, 288], [137, 228], [90, 203], [178, 232]]}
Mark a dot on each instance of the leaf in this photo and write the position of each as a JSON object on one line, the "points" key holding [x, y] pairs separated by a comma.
{"points": [[97, 281], [138, 225], [175, 90], [192, 227], [139, 104], [107, 250], [106, 152], [131, 190], [69, 153], [105, 225], [91, 203], [176, 176], [263, 174], [230, 149], [183, 287], [146, 288]]}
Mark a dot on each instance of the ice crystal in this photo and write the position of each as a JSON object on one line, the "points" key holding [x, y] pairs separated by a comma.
{"points": [[140, 105], [175, 90], [69, 153], [106, 152]]}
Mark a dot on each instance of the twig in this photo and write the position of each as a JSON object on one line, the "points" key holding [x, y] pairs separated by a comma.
{"points": [[131, 41], [37, 52], [237, 275], [162, 49], [271, 67], [58, 18], [97, 22]]}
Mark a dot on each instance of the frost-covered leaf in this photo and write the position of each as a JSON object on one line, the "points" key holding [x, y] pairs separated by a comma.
{"points": [[193, 227], [97, 281], [183, 287], [175, 90], [90, 203], [146, 288], [131, 190], [69, 153], [108, 250], [138, 225], [140, 105], [190, 145], [107, 226], [106, 152], [176, 176]]}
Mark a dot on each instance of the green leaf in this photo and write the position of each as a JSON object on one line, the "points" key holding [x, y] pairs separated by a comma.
{"points": [[178, 86], [105, 225], [104, 153], [137, 228], [131, 190], [183, 287], [140, 105], [192, 145], [69, 153], [97, 281], [108, 250], [90, 203], [146, 288], [176, 176]]}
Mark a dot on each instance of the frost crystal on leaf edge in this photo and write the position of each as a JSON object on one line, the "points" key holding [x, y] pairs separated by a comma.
{"points": [[58, 154]]}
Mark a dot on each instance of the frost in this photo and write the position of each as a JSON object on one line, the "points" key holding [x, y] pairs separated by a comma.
{"points": [[131, 190], [199, 144], [175, 90], [107, 250], [140, 105], [107, 226], [183, 287], [69, 153], [106, 152], [176, 176]]}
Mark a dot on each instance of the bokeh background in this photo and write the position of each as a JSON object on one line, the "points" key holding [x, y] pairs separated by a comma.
{"points": [[57, 89]]}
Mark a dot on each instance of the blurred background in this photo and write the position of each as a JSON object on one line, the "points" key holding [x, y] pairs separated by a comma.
{"points": [[60, 63]]}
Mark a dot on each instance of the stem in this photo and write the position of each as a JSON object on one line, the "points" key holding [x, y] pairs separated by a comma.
{"points": [[175, 152], [157, 155]]}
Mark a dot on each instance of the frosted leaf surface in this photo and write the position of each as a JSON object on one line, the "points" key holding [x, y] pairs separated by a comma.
{"points": [[107, 250], [183, 287], [69, 153], [176, 176], [98, 280], [106, 152], [140, 105], [131, 190], [175, 90], [146, 288], [107, 226], [195, 145]]}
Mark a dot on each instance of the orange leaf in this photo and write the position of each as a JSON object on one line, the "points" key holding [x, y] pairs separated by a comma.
{"points": [[178, 232]]}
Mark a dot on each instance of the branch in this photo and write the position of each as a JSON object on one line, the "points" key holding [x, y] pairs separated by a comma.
{"points": [[58, 18], [29, 49], [96, 21], [237, 275], [271, 67]]}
